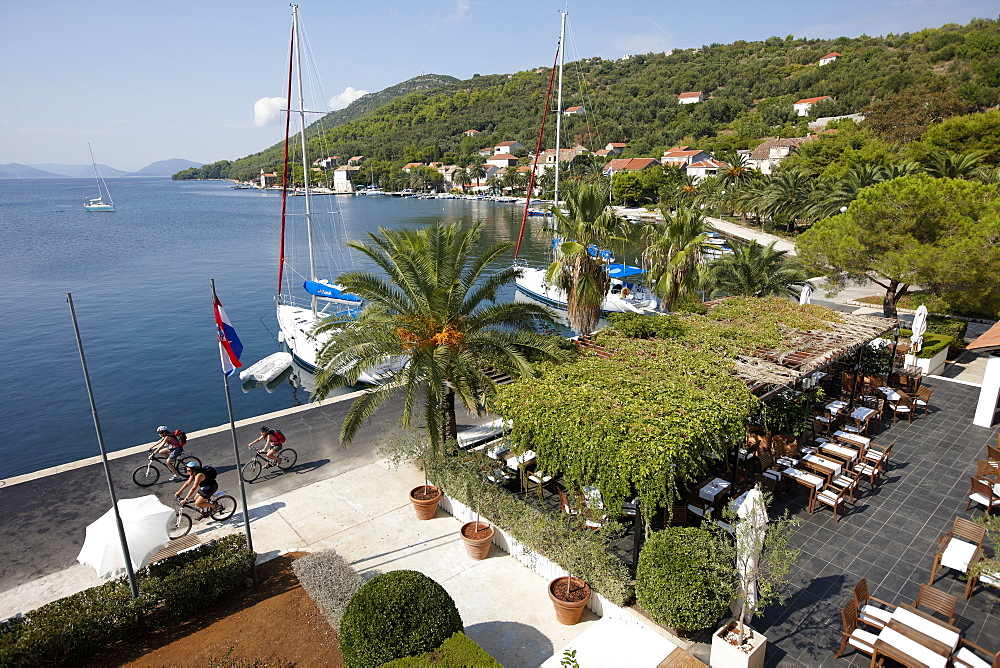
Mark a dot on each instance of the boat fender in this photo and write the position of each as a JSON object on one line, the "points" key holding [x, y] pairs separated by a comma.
{"points": [[281, 337]]}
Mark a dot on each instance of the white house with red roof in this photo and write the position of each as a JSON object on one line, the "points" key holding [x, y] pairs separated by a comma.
{"points": [[508, 147], [267, 180], [356, 160], [829, 58], [803, 106], [471, 133], [705, 168], [573, 111], [486, 152], [770, 152], [616, 147], [547, 159], [682, 156], [342, 178], [410, 166], [502, 160], [629, 165], [327, 163], [691, 97]]}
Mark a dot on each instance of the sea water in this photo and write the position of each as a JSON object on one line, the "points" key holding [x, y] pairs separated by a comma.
{"points": [[140, 284]]}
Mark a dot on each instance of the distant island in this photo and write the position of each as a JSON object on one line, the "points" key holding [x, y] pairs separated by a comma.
{"points": [[52, 170]]}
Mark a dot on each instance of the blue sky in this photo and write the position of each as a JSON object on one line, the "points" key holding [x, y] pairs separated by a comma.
{"points": [[147, 80]]}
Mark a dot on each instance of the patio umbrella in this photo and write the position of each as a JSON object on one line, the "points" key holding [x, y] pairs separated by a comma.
{"points": [[805, 297], [919, 327], [750, 528], [145, 522]]}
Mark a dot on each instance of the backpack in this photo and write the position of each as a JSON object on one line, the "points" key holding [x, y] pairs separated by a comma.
{"points": [[280, 438], [209, 472], [181, 437]]}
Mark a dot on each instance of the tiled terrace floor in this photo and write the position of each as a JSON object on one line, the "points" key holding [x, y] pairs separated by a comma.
{"points": [[889, 537]]}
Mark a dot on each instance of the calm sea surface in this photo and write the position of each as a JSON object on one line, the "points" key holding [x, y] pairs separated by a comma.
{"points": [[140, 284]]}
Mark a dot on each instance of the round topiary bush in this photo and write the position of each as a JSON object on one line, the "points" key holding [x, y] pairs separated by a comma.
{"points": [[395, 615], [682, 580]]}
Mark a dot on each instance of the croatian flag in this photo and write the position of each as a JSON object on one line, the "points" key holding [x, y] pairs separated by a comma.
{"points": [[230, 347]]}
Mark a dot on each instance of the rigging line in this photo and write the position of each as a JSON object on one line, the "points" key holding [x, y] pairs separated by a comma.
{"points": [[538, 149], [586, 99], [284, 171]]}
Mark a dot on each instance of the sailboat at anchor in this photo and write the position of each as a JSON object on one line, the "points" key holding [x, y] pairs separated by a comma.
{"points": [[98, 203]]}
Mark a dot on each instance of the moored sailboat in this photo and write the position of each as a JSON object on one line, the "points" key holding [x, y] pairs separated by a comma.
{"points": [[98, 203]]}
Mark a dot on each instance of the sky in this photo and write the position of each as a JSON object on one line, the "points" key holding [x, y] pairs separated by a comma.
{"points": [[202, 80]]}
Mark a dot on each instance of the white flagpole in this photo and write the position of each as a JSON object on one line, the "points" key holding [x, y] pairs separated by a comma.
{"points": [[236, 451]]}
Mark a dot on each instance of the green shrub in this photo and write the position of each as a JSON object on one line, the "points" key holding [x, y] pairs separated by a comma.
{"points": [[948, 327], [189, 581], [683, 581], [329, 580], [458, 651], [395, 615]]}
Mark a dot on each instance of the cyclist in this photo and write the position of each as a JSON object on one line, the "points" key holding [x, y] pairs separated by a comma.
{"points": [[168, 446], [274, 440], [201, 480]]}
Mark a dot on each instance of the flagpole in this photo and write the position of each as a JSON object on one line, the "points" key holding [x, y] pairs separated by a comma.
{"points": [[104, 454], [236, 451]]}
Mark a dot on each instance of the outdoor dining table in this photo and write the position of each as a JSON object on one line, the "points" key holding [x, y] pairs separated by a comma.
{"points": [[514, 462], [836, 406], [804, 478], [497, 451], [711, 490], [862, 413], [890, 394], [916, 638], [839, 451], [823, 463], [853, 438]]}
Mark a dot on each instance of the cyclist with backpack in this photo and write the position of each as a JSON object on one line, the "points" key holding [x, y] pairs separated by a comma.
{"points": [[201, 480], [275, 440], [171, 446]]}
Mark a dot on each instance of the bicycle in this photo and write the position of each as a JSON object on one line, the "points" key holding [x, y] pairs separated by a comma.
{"points": [[148, 474], [251, 470], [180, 524]]}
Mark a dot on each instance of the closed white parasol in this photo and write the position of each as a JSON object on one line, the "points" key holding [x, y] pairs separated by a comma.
{"points": [[805, 297], [919, 328], [751, 529], [145, 522]]}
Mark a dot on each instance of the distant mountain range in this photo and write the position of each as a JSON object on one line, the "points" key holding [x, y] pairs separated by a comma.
{"points": [[51, 170]]}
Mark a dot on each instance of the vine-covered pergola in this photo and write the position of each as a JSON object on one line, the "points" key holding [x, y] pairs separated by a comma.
{"points": [[652, 399]]}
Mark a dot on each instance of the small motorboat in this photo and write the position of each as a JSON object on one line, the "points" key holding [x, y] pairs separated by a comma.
{"points": [[268, 368]]}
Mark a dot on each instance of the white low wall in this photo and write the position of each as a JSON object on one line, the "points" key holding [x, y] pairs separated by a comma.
{"points": [[932, 366], [548, 569]]}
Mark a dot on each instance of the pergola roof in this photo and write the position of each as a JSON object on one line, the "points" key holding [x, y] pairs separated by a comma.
{"points": [[987, 341]]}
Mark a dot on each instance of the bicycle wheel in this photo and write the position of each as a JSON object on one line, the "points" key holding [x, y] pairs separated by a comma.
{"points": [[251, 470], [178, 525], [225, 506], [286, 459], [185, 462], [146, 475]]}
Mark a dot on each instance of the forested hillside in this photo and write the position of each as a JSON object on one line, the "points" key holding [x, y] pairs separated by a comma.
{"points": [[752, 86]]}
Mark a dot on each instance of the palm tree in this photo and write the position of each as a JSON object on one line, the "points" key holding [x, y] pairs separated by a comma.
{"points": [[591, 223], [944, 164], [787, 196], [673, 252], [756, 271], [738, 170], [461, 178], [436, 306], [477, 171], [832, 196]]}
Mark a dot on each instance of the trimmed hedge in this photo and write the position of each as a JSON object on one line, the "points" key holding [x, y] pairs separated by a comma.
{"points": [[396, 615], [75, 627], [458, 651], [933, 343], [683, 581]]}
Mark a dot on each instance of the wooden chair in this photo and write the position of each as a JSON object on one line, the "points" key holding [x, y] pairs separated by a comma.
{"points": [[540, 480], [957, 548], [983, 493], [965, 657], [876, 454], [988, 469], [993, 454], [833, 497], [859, 639], [870, 470], [869, 613], [937, 601], [922, 400], [848, 481], [902, 405], [988, 573], [675, 515]]}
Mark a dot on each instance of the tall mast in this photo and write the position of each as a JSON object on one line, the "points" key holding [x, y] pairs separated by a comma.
{"points": [[562, 60], [302, 136]]}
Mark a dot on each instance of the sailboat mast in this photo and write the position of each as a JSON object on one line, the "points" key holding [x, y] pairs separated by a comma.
{"points": [[559, 107], [305, 157], [97, 175]]}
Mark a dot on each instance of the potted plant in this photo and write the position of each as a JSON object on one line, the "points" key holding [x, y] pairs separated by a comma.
{"points": [[761, 560], [570, 596], [415, 449], [425, 500], [477, 535]]}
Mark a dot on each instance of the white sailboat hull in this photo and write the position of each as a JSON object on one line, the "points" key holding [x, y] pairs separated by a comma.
{"points": [[532, 283]]}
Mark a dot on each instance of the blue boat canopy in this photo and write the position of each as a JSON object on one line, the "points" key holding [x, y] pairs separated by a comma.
{"points": [[623, 270], [328, 290]]}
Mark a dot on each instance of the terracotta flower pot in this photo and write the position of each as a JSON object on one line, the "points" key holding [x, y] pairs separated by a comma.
{"points": [[425, 500], [478, 539], [569, 605]]}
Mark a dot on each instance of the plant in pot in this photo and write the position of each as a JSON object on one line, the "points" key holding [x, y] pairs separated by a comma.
{"points": [[477, 535], [409, 449], [761, 559]]}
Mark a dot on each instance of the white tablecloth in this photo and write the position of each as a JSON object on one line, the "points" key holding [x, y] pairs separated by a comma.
{"points": [[862, 413], [912, 648], [823, 461], [840, 450], [889, 393], [836, 406], [715, 487], [927, 627], [810, 478], [855, 438], [515, 462]]}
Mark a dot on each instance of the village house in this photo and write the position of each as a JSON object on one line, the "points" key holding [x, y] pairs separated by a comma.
{"points": [[471, 133], [682, 156], [356, 160], [828, 58], [705, 168], [327, 163], [502, 160], [486, 152], [615, 148], [573, 111], [691, 97], [508, 147], [547, 159], [629, 165], [410, 166], [770, 152], [803, 106], [268, 180], [342, 178]]}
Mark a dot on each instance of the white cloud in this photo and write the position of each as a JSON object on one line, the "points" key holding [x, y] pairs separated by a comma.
{"points": [[267, 110], [462, 8], [349, 95]]}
